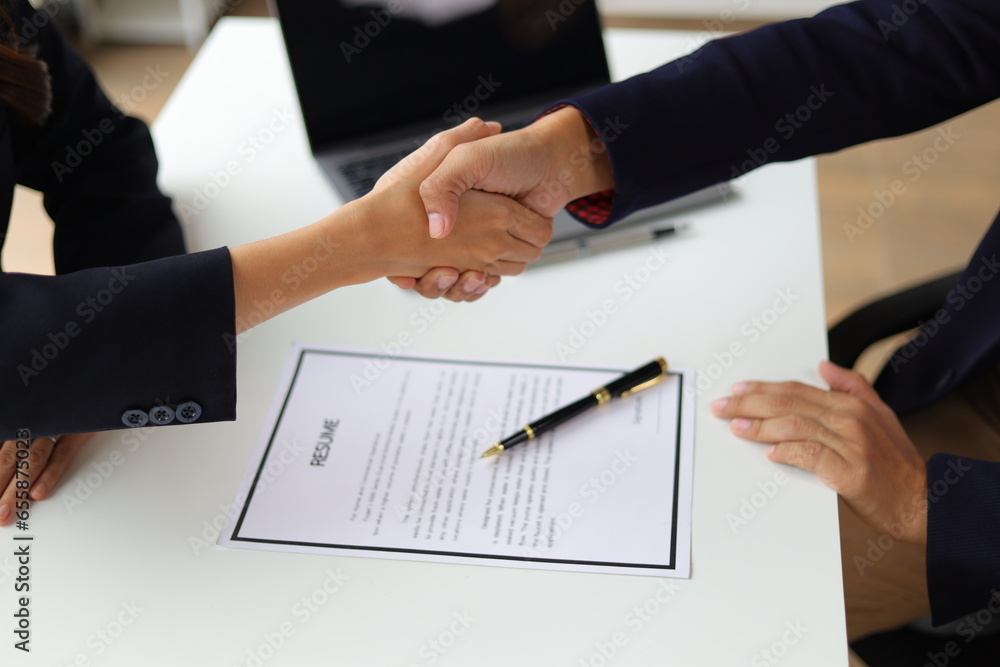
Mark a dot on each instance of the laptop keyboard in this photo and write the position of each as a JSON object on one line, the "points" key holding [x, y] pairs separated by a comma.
{"points": [[362, 174]]}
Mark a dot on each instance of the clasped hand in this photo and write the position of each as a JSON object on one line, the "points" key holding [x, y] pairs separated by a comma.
{"points": [[497, 235], [541, 167]]}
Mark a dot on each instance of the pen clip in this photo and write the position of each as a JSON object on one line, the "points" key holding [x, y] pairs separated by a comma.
{"points": [[644, 385]]}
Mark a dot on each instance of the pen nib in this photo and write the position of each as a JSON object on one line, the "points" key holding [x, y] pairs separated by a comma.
{"points": [[493, 451]]}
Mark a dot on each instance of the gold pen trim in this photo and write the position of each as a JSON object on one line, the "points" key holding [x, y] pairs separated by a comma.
{"points": [[493, 451], [530, 431], [640, 387], [602, 395], [649, 383]]}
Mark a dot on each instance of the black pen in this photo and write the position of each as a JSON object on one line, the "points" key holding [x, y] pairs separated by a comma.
{"points": [[595, 244], [639, 379]]}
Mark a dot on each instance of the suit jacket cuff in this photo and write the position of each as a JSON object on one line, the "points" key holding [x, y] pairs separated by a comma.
{"points": [[963, 535]]}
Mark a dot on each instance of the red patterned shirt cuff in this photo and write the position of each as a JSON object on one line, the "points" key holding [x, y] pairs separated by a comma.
{"points": [[594, 209]]}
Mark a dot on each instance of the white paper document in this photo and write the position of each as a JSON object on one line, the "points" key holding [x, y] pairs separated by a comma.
{"points": [[369, 455]]}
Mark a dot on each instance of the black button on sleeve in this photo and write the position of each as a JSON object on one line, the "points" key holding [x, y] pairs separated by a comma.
{"points": [[134, 418], [161, 415], [188, 412]]}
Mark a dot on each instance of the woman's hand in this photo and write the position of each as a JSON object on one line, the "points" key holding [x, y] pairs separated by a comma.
{"points": [[848, 436], [385, 234], [46, 463], [498, 237], [554, 160]]}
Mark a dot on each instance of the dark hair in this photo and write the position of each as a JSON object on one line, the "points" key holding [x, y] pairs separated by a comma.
{"points": [[25, 85]]}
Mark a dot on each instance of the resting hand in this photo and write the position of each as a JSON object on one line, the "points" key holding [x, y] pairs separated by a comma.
{"points": [[46, 463], [848, 436]]}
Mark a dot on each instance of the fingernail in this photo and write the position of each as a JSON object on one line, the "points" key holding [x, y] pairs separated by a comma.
{"points": [[719, 404], [741, 424], [471, 285], [38, 491], [436, 222], [770, 450], [739, 387], [482, 290], [4, 513], [444, 282]]}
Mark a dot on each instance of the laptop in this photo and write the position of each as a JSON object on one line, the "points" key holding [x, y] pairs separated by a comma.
{"points": [[377, 78]]}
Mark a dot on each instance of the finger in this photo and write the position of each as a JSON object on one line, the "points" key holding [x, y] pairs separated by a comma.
{"points": [[38, 456], [59, 460], [436, 282], [531, 228], [466, 290], [8, 460], [416, 166], [480, 293], [829, 466], [798, 390], [848, 381], [461, 170], [504, 267], [765, 405], [471, 288], [784, 429], [402, 282]]}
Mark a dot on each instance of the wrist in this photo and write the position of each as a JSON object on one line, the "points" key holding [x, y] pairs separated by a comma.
{"points": [[580, 164], [357, 232], [915, 516]]}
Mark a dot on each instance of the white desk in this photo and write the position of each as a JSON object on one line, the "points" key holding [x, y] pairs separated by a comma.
{"points": [[135, 537]]}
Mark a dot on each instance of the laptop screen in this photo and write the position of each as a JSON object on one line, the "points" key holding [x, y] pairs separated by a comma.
{"points": [[365, 66]]}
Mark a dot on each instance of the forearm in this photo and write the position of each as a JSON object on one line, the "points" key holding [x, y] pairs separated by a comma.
{"points": [[279, 273], [791, 90]]}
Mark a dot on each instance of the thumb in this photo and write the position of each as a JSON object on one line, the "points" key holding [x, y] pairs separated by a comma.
{"points": [[847, 381], [462, 169]]}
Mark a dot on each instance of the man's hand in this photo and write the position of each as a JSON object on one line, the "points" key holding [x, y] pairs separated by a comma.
{"points": [[850, 438], [498, 237], [47, 461], [544, 166]]}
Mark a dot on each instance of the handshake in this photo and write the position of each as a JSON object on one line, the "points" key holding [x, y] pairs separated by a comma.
{"points": [[472, 205]]}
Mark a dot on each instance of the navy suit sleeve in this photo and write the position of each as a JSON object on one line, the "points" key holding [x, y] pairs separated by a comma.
{"points": [[850, 74], [131, 323], [963, 535]]}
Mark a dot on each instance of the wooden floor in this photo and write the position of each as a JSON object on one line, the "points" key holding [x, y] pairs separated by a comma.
{"points": [[947, 200]]}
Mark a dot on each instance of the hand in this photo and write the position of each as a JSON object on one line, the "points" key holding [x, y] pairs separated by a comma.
{"points": [[448, 283], [544, 166], [47, 461], [498, 238], [847, 436], [442, 281]]}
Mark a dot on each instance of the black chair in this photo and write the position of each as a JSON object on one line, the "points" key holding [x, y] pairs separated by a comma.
{"points": [[848, 339], [885, 317]]}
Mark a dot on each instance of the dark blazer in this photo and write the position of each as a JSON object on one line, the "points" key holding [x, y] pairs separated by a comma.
{"points": [[853, 73], [131, 329]]}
